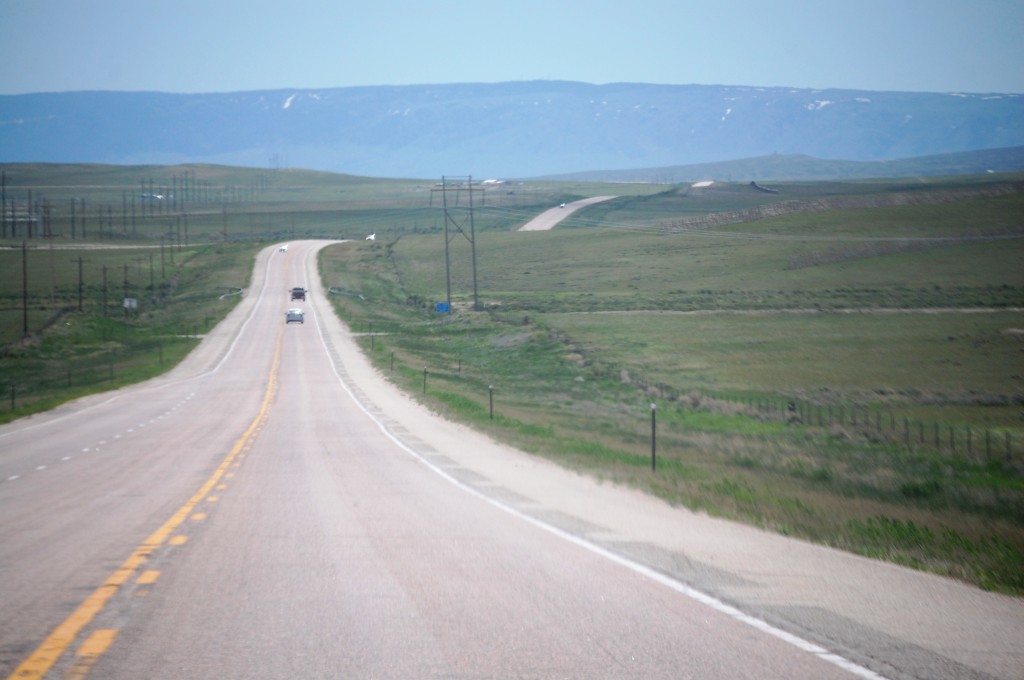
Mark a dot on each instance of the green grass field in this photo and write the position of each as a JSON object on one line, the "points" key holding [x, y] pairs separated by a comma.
{"points": [[895, 331], [850, 375]]}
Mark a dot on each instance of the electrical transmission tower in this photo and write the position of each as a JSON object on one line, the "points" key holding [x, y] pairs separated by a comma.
{"points": [[456, 220]]}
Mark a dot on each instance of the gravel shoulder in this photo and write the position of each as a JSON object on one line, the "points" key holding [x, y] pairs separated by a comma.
{"points": [[899, 622]]}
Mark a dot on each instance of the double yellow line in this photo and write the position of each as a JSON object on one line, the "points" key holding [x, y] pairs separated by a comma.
{"points": [[50, 651]]}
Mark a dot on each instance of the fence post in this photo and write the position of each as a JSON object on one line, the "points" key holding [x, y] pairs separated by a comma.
{"points": [[490, 400], [654, 437]]}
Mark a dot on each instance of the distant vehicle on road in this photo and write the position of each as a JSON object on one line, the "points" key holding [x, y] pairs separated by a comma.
{"points": [[562, 205], [298, 293], [294, 314], [284, 248]]}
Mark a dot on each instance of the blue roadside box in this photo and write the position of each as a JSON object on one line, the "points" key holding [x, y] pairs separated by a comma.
{"points": [[441, 308]]}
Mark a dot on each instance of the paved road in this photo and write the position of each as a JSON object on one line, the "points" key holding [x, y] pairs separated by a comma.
{"points": [[272, 508], [549, 218]]}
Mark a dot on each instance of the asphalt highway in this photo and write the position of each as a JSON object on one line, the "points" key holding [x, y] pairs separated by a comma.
{"points": [[552, 216], [272, 508]]}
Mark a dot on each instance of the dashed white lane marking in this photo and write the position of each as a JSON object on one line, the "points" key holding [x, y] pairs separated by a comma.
{"points": [[87, 449], [102, 442]]}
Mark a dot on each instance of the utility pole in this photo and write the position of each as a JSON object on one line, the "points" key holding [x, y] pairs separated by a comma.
{"points": [[472, 243], [46, 214], [3, 203], [24, 289], [79, 260], [447, 240]]}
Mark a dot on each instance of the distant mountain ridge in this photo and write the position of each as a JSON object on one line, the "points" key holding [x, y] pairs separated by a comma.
{"points": [[506, 130]]}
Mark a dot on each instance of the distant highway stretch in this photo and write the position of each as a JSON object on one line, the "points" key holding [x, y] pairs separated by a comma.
{"points": [[549, 218], [273, 508]]}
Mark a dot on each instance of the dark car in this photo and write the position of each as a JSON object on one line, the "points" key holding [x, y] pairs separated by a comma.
{"points": [[298, 293]]}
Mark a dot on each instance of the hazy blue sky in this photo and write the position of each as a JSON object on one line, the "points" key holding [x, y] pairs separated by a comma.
{"points": [[228, 45]]}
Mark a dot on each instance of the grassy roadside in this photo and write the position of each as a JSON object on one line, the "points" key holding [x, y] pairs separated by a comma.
{"points": [[79, 349], [582, 330]]}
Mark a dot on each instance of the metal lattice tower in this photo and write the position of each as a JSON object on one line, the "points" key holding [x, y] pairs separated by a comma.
{"points": [[453, 226]]}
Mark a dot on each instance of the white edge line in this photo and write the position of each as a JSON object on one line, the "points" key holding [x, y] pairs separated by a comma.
{"points": [[637, 567]]}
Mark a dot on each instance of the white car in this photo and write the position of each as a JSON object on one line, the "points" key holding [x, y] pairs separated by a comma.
{"points": [[294, 314], [284, 248]]}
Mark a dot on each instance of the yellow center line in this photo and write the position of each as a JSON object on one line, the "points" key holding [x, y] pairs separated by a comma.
{"points": [[90, 652], [148, 577], [47, 654]]}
